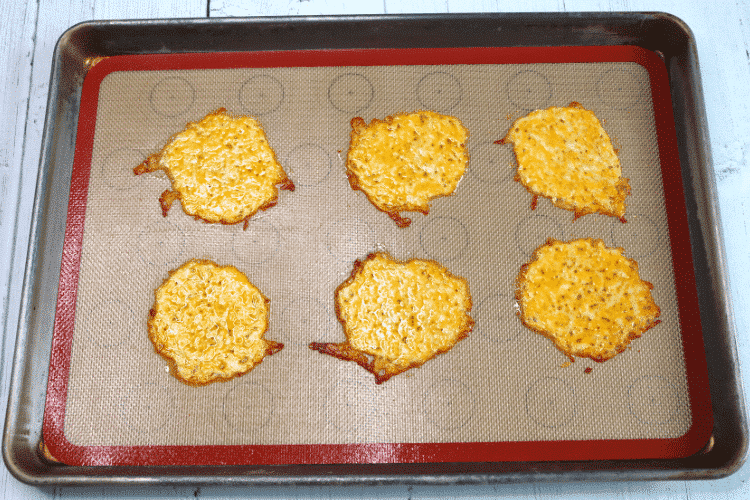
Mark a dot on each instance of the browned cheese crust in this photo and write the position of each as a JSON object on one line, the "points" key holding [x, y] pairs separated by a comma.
{"points": [[586, 297], [398, 315], [209, 323], [222, 169], [46, 454], [564, 154], [405, 161]]}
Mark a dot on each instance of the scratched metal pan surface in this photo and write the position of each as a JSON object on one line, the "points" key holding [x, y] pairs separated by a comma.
{"points": [[84, 44]]}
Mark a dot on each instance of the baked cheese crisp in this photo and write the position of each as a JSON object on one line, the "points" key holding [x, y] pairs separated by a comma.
{"points": [[586, 297], [564, 154], [208, 322], [407, 160], [222, 169], [398, 315]]}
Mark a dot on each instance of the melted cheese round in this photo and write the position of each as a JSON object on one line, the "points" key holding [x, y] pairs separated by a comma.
{"points": [[586, 297], [222, 169], [407, 160], [403, 313], [209, 322], [564, 154]]}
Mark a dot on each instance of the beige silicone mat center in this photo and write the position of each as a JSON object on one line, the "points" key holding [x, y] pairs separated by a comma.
{"points": [[503, 383]]}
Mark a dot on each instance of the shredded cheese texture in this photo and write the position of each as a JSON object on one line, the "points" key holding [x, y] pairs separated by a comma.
{"points": [[222, 169], [586, 297], [405, 161], [564, 154], [209, 322], [398, 315]]}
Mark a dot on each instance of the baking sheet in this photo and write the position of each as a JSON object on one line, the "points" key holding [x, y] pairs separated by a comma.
{"points": [[533, 37], [503, 384]]}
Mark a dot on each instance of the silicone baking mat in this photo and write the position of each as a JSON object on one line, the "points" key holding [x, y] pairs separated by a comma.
{"points": [[504, 393]]}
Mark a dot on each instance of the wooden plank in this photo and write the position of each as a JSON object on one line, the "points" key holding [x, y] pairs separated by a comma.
{"points": [[16, 48], [242, 8]]}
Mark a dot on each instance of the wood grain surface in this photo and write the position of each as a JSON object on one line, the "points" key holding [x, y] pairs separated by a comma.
{"points": [[27, 39]]}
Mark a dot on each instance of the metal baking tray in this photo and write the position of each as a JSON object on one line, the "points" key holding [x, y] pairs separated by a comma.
{"points": [[84, 45]]}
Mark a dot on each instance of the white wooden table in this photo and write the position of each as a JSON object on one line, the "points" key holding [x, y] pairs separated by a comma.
{"points": [[29, 31]]}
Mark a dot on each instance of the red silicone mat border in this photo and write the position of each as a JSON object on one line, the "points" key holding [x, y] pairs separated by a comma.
{"points": [[691, 442]]}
